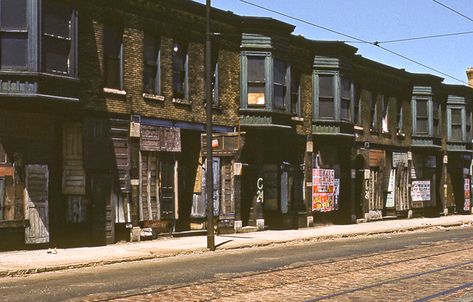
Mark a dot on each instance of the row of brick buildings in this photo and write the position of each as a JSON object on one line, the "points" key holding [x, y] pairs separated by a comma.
{"points": [[102, 120]]}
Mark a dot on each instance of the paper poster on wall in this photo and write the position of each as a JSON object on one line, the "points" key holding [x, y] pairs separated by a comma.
{"points": [[420, 190], [466, 205], [325, 190], [391, 189]]}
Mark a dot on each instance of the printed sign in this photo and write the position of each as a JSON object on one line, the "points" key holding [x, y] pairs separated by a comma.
{"points": [[420, 190], [466, 205], [399, 158], [325, 190], [391, 188]]}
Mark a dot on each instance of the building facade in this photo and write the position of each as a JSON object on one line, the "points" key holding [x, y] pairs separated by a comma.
{"points": [[103, 118]]}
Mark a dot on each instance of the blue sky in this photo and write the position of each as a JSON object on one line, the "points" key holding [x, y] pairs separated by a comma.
{"points": [[381, 20]]}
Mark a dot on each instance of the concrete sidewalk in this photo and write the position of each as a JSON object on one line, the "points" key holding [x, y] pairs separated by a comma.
{"points": [[17, 263]]}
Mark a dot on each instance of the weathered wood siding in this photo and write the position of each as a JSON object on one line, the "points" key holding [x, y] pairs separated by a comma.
{"points": [[73, 176], [36, 195]]}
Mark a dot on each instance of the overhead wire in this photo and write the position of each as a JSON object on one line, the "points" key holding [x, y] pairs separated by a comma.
{"points": [[357, 40], [453, 10]]}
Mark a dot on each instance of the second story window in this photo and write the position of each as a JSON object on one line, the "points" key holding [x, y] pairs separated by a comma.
{"points": [[326, 97], [152, 70], [296, 94], [280, 84], [456, 133], [345, 100], [180, 70], [384, 114], [399, 116], [373, 112], [113, 57], [256, 81], [436, 117], [357, 108], [468, 125], [57, 55], [422, 116], [13, 34]]}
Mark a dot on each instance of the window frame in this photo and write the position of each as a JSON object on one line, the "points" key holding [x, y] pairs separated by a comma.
{"points": [[427, 118], [399, 115], [373, 122], [26, 32], [295, 93], [316, 85], [107, 57], [385, 116], [215, 91], [462, 123], [72, 40], [337, 96], [284, 85], [178, 95], [156, 65]]}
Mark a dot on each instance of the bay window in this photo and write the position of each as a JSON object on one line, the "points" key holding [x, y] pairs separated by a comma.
{"points": [[280, 84], [345, 101], [373, 112], [455, 120], [295, 93], [422, 116]]}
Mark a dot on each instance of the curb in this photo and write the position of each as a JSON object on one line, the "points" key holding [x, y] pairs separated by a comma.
{"points": [[62, 267]]}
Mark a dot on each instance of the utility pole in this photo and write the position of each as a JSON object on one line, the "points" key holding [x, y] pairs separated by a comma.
{"points": [[208, 97]]}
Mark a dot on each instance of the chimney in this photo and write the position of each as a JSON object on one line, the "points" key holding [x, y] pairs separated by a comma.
{"points": [[469, 74]]}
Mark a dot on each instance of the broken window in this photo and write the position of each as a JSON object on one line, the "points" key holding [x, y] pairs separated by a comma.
{"points": [[436, 117], [385, 114], [152, 70], [256, 81], [373, 112], [113, 56], [180, 69], [399, 115], [57, 37], [13, 34]]}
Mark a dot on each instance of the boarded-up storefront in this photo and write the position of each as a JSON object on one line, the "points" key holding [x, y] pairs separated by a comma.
{"points": [[158, 198], [225, 147], [107, 162]]}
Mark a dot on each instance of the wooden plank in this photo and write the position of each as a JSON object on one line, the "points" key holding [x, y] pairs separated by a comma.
{"points": [[148, 187], [160, 139], [140, 187], [36, 182]]}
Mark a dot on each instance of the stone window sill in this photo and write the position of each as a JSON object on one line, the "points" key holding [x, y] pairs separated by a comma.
{"points": [[181, 101], [153, 97], [114, 91], [297, 119]]}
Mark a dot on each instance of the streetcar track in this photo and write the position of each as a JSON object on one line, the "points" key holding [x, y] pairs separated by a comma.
{"points": [[378, 284], [329, 261], [445, 292]]}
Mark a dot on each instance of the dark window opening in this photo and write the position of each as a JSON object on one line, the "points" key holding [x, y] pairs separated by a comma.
{"points": [[113, 55], [326, 97], [384, 114], [468, 125], [295, 93], [256, 81], [357, 108], [373, 112], [345, 99], [436, 118], [179, 68], [422, 116], [280, 80], [151, 76], [57, 37], [399, 115]]}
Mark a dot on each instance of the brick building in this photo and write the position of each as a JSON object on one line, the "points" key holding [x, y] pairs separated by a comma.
{"points": [[102, 126]]}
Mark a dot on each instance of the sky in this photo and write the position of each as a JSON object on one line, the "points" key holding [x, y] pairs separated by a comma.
{"points": [[381, 20]]}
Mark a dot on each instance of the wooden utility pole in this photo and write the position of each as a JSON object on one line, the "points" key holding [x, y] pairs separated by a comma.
{"points": [[208, 98]]}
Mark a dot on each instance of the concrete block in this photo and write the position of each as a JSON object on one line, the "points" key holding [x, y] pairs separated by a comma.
{"points": [[310, 221], [135, 234], [260, 224], [238, 225]]}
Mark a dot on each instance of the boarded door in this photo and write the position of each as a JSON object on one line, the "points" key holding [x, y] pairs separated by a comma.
{"points": [[103, 230], [216, 186], [37, 177], [168, 186]]}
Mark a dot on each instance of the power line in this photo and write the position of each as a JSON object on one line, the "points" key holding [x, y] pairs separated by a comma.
{"points": [[427, 37], [453, 10], [358, 40]]}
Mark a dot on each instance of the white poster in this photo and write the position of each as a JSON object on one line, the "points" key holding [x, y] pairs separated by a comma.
{"points": [[420, 190]]}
